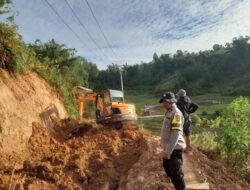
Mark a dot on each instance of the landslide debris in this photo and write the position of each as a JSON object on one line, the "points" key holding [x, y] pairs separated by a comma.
{"points": [[79, 156], [90, 156]]}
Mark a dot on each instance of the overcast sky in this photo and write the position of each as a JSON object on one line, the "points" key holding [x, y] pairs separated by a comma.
{"points": [[135, 29]]}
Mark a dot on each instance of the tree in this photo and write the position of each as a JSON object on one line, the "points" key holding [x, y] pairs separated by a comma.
{"points": [[54, 54], [155, 58], [4, 8], [63, 60], [92, 71], [217, 47]]}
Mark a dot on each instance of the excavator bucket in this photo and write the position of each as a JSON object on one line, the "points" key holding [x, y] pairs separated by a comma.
{"points": [[47, 117]]}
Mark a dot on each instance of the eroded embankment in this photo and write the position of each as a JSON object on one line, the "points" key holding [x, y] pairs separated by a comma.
{"points": [[23, 100]]}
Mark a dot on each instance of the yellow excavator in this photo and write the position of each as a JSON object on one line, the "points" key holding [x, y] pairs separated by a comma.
{"points": [[109, 105]]}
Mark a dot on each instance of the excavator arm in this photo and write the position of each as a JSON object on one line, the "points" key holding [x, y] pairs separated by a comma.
{"points": [[83, 95]]}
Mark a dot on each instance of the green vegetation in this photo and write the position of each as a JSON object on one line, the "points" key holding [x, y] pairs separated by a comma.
{"points": [[228, 136], [233, 136], [15, 56]]}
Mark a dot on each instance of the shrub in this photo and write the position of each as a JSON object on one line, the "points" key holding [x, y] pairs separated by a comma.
{"points": [[196, 119], [14, 56], [217, 113], [204, 113], [233, 136]]}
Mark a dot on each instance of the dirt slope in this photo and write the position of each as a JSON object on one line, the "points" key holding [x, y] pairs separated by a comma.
{"points": [[23, 99]]}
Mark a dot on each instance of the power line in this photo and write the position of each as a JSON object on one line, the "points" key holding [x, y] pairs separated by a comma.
{"points": [[85, 29], [65, 23], [100, 28]]}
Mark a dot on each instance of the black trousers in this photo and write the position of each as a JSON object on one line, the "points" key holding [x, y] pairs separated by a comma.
{"points": [[186, 127], [173, 168]]}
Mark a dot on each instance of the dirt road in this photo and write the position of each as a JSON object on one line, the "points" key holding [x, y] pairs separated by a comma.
{"points": [[194, 178]]}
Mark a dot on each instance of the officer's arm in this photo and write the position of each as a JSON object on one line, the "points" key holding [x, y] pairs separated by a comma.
{"points": [[174, 136], [163, 133]]}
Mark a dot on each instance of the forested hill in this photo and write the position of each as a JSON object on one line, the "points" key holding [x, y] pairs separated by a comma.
{"points": [[224, 69]]}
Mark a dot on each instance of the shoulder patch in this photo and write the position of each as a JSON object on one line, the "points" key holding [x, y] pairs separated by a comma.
{"points": [[177, 121], [178, 117]]}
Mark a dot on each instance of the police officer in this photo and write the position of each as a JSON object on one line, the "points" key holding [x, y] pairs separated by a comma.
{"points": [[186, 106], [172, 140]]}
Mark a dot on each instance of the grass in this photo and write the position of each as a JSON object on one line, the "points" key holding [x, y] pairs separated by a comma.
{"points": [[213, 96], [203, 136], [206, 105], [208, 109], [140, 98], [205, 111], [152, 124]]}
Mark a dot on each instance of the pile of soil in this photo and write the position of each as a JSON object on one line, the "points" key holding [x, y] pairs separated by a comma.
{"points": [[89, 156]]}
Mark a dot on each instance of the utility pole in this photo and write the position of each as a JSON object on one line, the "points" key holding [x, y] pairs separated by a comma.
{"points": [[120, 69]]}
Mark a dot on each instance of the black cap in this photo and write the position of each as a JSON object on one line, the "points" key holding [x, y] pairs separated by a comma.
{"points": [[168, 97]]}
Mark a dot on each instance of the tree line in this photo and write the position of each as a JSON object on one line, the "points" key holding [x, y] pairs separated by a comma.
{"points": [[222, 69]]}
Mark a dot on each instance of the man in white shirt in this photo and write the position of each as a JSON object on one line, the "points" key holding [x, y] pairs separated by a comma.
{"points": [[172, 140]]}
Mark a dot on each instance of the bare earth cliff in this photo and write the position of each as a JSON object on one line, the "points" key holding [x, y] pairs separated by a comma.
{"points": [[23, 100]]}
